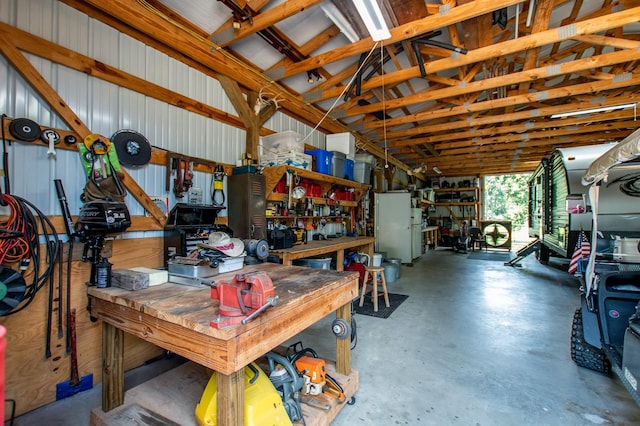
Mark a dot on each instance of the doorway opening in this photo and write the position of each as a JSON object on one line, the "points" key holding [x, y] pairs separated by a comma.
{"points": [[506, 198]]}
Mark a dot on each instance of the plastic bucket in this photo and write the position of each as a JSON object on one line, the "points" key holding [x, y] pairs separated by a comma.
{"points": [[390, 272], [396, 262], [377, 259]]}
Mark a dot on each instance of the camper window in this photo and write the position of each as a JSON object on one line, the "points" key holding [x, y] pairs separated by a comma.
{"points": [[576, 203]]}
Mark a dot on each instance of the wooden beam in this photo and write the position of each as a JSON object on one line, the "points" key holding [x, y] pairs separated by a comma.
{"points": [[403, 32], [267, 19], [453, 139], [520, 44], [490, 83], [464, 123], [577, 89]]}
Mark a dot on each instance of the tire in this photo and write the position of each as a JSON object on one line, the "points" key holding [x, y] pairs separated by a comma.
{"points": [[582, 353], [543, 254]]}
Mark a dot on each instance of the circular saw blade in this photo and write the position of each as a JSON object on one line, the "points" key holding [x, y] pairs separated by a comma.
{"points": [[24, 129], [133, 149]]}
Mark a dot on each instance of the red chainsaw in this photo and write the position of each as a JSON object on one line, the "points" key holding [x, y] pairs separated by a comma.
{"points": [[243, 299]]}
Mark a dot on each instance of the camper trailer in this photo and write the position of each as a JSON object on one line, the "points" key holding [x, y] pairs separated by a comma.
{"points": [[554, 179]]}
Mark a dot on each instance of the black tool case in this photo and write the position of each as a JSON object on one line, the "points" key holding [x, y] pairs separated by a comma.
{"points": [[188, 225]]}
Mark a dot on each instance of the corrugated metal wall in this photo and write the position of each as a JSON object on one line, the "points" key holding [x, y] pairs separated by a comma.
{"points": [[106, 108]]}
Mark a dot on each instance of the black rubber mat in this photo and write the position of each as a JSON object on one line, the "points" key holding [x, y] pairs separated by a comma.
{"points": [[499, 256], [395, 300]]}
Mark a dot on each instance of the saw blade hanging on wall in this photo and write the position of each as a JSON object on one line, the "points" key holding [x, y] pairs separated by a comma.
{"points": [[133, 149], [24, 129]]}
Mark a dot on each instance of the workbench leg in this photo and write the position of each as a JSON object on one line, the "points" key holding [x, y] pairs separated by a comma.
{"points": [[231, 398], [343, 346], [340, 260], [112, 367], [370, 250], [286, 260]]}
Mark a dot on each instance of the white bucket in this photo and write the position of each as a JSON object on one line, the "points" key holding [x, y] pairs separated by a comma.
{"points": [[377, 259]]}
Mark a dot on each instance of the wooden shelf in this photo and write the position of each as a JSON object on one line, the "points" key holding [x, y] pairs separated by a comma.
{"points": [[279, 197], [451, 205], [274, 174], [468, 189], [455, 203], [293, 216]]}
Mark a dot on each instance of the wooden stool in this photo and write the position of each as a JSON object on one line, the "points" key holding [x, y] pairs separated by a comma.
{"points": [[372, 271]]}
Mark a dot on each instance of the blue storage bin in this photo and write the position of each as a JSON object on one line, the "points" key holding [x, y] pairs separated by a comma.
{"points": [[323, 160], [348, 168]]}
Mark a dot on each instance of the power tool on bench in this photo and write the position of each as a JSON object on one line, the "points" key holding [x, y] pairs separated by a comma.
{"points": [[242, 299]]}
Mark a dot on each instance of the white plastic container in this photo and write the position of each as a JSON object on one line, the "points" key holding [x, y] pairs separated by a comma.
{"points": [[377, 259], [283, 142], [342, 142], [231, 264]]}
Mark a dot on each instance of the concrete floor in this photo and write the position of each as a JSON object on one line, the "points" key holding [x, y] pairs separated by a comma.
{"points": [[476, 343]]}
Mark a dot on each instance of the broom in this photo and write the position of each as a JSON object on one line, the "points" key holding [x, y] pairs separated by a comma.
{"points": [[75, 384]]}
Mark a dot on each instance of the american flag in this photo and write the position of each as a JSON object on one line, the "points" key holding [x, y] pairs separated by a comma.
{"points": [[582, 250]]}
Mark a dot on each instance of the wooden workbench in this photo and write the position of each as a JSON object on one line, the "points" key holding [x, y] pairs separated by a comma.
{"points": [[176, 318], [328, 246], [430, 234]]}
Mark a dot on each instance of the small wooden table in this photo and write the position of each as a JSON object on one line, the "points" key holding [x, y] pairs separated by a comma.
{"points": [[331, 245], [430, 234], [176, 318]]}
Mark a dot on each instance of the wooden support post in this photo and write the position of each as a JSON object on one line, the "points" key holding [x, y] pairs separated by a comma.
{"points": [[112, 367], [343, 346], [230, 398], [340, 260]]}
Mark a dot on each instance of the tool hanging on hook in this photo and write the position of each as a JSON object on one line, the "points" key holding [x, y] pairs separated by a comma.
{"points": [[183, 166], [217, 184]]}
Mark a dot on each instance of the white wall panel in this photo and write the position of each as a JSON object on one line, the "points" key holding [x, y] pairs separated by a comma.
{"points": [[103, 43], [156, 67], [132, 56], [76, 36]]}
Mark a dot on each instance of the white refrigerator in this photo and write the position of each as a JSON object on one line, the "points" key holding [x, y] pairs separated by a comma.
{"points": [[393, 226]]}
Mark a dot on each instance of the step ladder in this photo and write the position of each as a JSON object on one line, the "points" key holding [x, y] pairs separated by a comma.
{"points": [[524, 252]]}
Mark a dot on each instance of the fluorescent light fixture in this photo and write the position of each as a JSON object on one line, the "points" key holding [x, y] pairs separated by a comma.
{"points": [[594, 110], [340, 21], [437, 170], [374, 21]]}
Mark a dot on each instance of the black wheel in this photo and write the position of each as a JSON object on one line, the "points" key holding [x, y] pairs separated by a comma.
{"points": [[543, 254], [351, 400], [583, 353]]}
